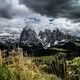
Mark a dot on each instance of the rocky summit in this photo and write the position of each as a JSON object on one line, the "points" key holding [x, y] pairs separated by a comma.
{"points": [[46, 38], [42, 40]]}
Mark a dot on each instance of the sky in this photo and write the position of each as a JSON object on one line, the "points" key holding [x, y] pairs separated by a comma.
{"points": [[39, 15]]}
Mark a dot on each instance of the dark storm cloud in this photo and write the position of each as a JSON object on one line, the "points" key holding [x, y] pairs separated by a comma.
{"points": [[47, 6], [5, 13], [5, 8], [19, 14], [9, 8], [54, 7]]}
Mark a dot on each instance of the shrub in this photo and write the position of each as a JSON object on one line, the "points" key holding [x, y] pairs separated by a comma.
{"points": [[4, 73]]}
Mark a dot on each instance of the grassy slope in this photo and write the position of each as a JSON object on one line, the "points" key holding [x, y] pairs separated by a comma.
{"points": [[17, 67]]}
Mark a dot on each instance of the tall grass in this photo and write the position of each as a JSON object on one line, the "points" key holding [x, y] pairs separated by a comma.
{"points": [[17, 67]]}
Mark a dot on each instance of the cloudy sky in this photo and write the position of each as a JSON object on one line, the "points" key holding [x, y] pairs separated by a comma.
{"points": [[38, 15]]}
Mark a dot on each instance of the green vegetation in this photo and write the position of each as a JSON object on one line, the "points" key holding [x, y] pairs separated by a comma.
{"points": [[18, 67], [5, 74], [15, 66], [74, 68], [58, 49]]}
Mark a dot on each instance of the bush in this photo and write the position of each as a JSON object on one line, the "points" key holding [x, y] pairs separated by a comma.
{"points": [[4, 73]]}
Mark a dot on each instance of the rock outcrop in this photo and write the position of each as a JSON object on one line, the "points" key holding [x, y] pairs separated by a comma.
{"points": [[46, 38], [29, 38]]}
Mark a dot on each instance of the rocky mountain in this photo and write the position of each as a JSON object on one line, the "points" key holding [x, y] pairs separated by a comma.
{"points": [[46, 38], [42, 40], [29, 37]]}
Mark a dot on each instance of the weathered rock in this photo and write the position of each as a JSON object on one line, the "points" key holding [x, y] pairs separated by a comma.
{"points": [[46, 38], [30, 39]]}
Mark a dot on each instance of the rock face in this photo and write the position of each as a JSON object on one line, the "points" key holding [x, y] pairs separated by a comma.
{"points": [[54, 37], [29, 38], [46, 38]]}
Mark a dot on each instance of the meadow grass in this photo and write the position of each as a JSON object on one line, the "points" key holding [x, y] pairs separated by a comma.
{"points": [[18, 67]]}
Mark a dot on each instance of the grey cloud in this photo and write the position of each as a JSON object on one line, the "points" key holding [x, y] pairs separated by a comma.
{"points": [[48, 7], [54, 7], [65, 8], [12, 8], [5, 9], [19, 14]]}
